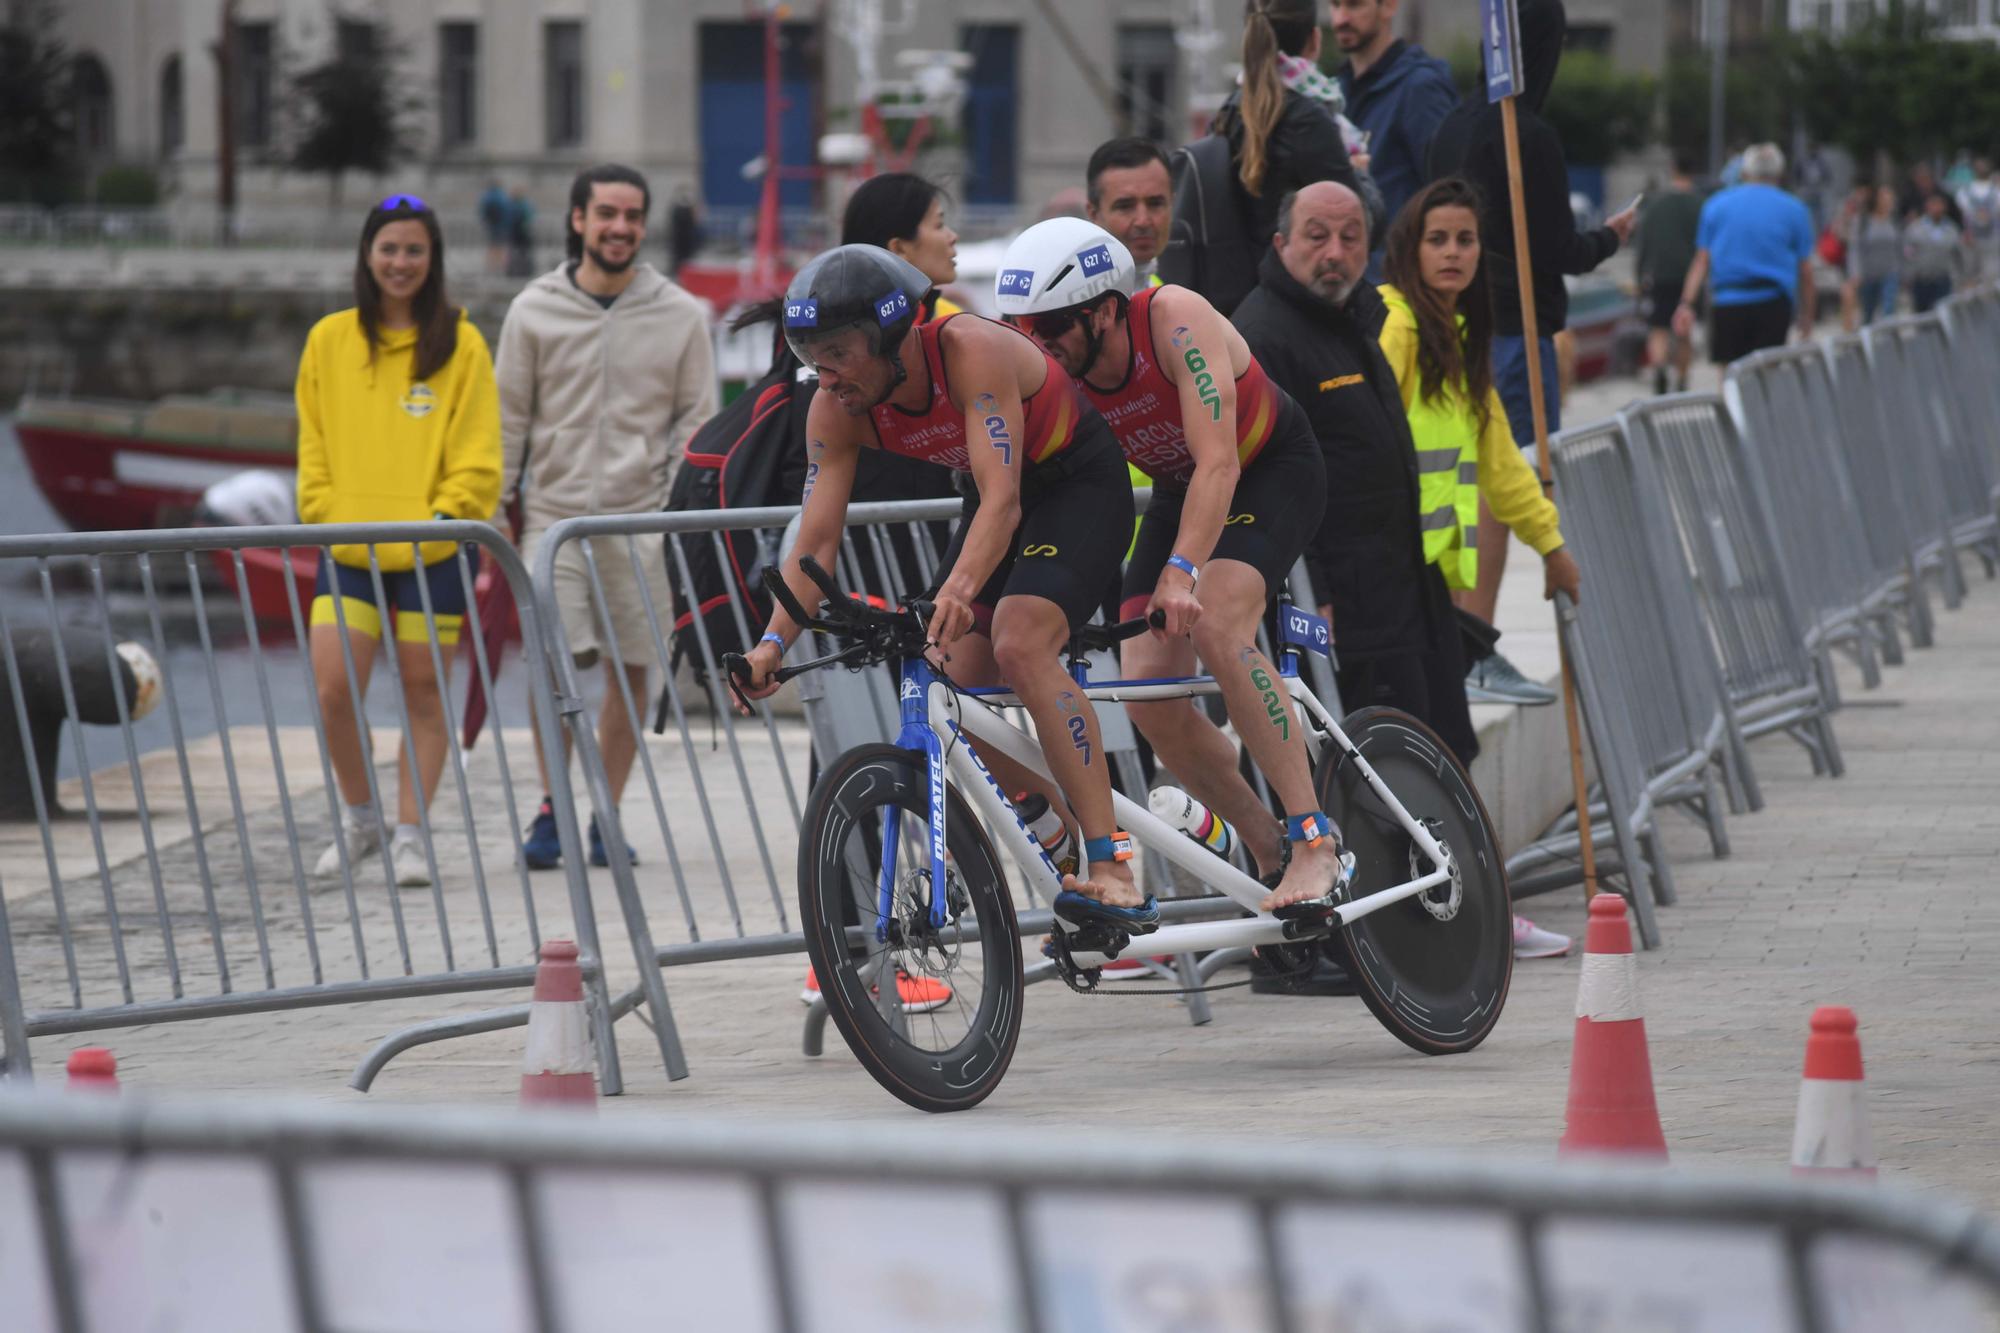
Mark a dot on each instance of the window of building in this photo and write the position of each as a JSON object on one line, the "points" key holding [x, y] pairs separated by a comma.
{"points": [[1146, 60], [562, 82], [991, 96], [458, 84], [173, 107], [1592, 37], [90, 104], [253, 105], [1961, 13], [355, 40]]}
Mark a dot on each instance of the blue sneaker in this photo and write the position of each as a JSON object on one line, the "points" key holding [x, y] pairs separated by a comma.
{"points": [[597, 856], [542, 849], [1081, 908]]}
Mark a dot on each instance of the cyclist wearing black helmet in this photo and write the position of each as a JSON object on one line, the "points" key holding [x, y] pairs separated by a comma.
{"points": [[1042, 533]]}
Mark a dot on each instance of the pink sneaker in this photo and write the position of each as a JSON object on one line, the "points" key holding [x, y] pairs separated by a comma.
{"points": [[1531, 941]]}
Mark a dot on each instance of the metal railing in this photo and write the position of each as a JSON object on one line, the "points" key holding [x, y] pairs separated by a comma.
{"points": [[124, 1214], [185, 887]]}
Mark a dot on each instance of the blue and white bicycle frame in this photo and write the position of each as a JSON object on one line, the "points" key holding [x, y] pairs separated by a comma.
{"points": [[936, 723]]}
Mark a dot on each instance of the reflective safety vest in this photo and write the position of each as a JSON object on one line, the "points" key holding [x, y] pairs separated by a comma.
{"points": [[1446, 432]]}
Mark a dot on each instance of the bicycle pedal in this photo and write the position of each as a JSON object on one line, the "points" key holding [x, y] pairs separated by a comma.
{"points": [[1080, 911], [1090, 937]]}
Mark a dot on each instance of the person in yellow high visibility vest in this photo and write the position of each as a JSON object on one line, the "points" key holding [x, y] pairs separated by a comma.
{"points": [[1438, 340]]}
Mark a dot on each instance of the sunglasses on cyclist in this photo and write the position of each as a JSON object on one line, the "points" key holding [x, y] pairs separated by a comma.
{"points": [[410, 202], [1052, 326]]}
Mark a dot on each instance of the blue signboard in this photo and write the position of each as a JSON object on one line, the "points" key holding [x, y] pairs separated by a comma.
{"points": [[1500, 39]]}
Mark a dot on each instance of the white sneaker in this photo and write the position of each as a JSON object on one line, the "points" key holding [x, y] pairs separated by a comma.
{"points": [[361, 839], [412, 872], [1531, 941]]}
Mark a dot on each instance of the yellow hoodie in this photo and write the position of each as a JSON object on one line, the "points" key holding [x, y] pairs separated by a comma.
{"points": [[376, 448]]}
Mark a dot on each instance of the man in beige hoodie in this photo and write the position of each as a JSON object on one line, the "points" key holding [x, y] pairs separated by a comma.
{"points": [[605, 369]]}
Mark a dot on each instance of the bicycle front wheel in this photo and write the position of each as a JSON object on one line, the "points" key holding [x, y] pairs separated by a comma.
{"points": [[1435, 968], [932, 1012]]}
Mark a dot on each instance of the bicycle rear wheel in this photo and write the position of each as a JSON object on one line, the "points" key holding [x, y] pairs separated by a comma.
{"points": [[943, 1058], [1435, 968]]}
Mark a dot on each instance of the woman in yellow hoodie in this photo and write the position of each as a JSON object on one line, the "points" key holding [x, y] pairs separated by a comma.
{"points": [[399, 422], [1438, 339]]}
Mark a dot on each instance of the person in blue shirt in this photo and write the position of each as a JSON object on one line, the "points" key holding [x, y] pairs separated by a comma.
{"points": [[1756, 243], [1398, 94]]}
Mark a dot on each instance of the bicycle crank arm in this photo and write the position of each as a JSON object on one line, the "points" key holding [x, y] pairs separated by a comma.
{"points": [[1349, 913], [1205, 936]]}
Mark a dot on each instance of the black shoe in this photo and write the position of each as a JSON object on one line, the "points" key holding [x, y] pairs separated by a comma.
{"points": [[1323, 977], [1660, 381]]}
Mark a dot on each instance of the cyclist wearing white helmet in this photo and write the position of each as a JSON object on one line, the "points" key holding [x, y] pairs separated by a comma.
{"points": [[1041, 535], [1239, 483]]}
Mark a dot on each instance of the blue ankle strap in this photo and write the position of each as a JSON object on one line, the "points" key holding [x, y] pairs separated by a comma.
{"points": [[1100, 851], [1308, 829]]}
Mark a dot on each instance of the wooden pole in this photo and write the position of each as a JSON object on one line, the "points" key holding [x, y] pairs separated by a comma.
{"points": [[1525, 278]]}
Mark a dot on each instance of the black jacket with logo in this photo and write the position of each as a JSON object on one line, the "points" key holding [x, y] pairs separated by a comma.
{"points": [[1368, 555]]}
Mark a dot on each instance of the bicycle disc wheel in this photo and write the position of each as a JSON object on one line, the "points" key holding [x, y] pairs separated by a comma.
{"points": [[938, 1051], [1435, 968]]}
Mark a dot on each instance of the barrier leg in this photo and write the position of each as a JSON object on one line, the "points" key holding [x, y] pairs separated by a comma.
{"points": [[1662, 874], [1712, 811]]}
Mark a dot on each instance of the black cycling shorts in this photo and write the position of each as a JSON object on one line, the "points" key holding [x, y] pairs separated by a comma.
{"points": [[1274, 513], [1076, 512]]}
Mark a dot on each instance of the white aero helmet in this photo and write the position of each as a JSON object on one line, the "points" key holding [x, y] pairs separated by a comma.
{"points": [[1061, 263]]}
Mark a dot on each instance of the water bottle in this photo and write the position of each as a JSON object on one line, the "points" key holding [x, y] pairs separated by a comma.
{"points": [[1196, 820], [1049, 830]]}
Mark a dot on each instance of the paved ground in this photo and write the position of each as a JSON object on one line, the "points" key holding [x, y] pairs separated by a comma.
{"points": [[1869, 890]]}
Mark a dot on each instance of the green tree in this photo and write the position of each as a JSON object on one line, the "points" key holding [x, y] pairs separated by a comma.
{"points": [[351, 113], [37, 137], [1599, 110], [1756, 91], [1892, 86]]}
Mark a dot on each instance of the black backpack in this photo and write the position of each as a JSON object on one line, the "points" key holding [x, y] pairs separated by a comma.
{"points": [[748, 455], [1209, 248]]}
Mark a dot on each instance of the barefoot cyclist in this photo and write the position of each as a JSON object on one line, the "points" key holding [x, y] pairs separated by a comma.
{"points": [[1042, 534], [1239, 485]]}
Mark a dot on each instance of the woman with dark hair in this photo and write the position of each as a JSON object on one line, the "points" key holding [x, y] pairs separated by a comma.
{"points": [[904, 214], [1282, 131], [399, 422], [1438, 339]]}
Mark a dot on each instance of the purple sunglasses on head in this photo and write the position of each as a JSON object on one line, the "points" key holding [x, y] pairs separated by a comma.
{"points": [[403, 201]]}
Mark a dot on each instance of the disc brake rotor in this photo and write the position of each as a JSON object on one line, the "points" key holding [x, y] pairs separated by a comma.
{"points": [[1441, 901]]}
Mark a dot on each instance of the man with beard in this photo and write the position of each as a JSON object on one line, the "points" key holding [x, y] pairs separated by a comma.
{"points": [[1397, 92], [1312, 322], [605, 369]]}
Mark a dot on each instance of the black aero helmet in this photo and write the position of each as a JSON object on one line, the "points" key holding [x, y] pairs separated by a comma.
{"points": [[854, 287]]}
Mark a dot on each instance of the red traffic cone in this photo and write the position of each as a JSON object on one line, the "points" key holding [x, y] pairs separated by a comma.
{"points": [[1831, 1137], [1611, 1105], [556, 1071], [93, 1069]]}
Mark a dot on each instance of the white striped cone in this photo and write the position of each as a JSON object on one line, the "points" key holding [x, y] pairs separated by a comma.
{"points": [[557, 1069], [1611, 1107], [1831, 1136]]}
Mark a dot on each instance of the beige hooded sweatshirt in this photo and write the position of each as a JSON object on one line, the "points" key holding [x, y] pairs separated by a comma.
{"points": [[598, 403]]}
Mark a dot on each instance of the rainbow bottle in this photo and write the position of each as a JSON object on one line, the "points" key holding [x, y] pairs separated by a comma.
{"points": [[1196, 820]]}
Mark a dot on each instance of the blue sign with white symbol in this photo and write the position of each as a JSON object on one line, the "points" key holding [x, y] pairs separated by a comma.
{"points": [[1308, 631], [801, 314], [892, 308], [1016, 281], [1095, 260], [1500, 38]]}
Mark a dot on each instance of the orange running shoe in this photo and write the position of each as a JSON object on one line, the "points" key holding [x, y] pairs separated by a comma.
{"points": [[919, 995]]}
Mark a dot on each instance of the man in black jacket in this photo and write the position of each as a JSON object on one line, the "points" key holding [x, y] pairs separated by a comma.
{"points": [[1470, 144], [1312, 323]]}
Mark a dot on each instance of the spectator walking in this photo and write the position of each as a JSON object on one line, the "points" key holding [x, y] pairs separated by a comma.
{"points": [[1666, 242], [904, 214], [1438, 341], [494, 210], [1875, 256], [1933, 254], [1398, 94], [683, 231], [1756, 244], [605, 370], [1312, 322], [1470, 144], [1979, 205], [1922, 184], [1280, 131], [520, 236], [398, 423], [1130, 194]]}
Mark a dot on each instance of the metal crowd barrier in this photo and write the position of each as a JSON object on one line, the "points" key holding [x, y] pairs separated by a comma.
{"points": [[1807, 499], [1660, 727], [1972, 328], [1906, 436], [1685, 450], [122, 1214], [1931, 408], [182, 889]]}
